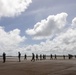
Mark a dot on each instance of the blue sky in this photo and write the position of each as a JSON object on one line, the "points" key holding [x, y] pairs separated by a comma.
{"points": [[27, 18]]}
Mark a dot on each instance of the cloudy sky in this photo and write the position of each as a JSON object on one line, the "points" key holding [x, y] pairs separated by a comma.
{"points": [[39, 26]]}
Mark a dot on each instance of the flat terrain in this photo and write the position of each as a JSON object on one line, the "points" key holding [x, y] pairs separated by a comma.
{"points": [[43, 67]]}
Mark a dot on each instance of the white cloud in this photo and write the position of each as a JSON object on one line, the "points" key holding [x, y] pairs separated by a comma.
{"points": [[64, 43], [74, 22], [9, 8], [10, 40], [48, 27]]}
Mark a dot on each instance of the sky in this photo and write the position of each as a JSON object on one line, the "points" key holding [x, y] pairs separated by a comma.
{"points": [[38, 26]]}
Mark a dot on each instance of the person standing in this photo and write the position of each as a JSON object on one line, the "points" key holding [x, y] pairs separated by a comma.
{"points": [[55, 56], [64, 57], [40, 57], [19, 56], [36, 56], [25, 56], [51, 56], [4, 57]]}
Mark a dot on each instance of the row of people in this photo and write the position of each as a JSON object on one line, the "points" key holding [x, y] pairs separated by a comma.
{"points": [[19, 56], [41, 57]]}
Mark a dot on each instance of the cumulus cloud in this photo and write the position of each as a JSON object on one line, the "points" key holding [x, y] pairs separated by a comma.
{"points": [[63, 43], [74, 22], [10, 40], [48, 27], [9, 8]]}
